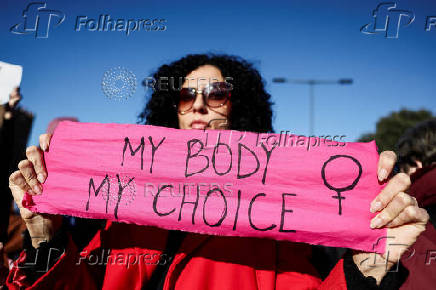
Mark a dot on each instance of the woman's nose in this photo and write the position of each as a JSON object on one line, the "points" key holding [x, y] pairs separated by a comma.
{"points": [[199, 104]]}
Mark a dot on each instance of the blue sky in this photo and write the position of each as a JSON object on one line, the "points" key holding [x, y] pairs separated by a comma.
{"points": [[62, 74]]}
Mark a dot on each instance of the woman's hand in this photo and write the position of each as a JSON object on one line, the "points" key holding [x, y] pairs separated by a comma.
{"points": [[399, 213], [31, 174], [14, 97]]}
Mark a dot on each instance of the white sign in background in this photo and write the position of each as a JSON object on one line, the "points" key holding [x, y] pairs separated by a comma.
{"points": [[10, 77]]}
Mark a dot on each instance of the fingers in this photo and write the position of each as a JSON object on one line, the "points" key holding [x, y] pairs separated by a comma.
{"points": [[411, 214], [34, 155], [32, 171], [29, 174], [386, 163], [396, 207], [18, 186], [398, 183], [44, 141]]}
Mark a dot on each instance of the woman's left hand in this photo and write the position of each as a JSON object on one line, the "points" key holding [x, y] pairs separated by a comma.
{"points": [[399, 213]]}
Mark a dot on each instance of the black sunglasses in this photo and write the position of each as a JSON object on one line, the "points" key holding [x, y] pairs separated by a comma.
{"points": [[215, 95]]}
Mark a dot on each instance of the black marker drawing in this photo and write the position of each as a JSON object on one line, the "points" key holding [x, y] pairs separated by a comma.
{"points": [[129, 192], [341, 189]]}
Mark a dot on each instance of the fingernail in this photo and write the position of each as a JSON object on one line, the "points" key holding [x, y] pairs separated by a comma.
{"points": [[41, 177], [376, 222], [382, 174], [44, 146], [376, 206], [37, 189]]}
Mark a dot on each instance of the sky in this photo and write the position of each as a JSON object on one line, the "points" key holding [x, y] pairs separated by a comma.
{"points": [[62, 74]]}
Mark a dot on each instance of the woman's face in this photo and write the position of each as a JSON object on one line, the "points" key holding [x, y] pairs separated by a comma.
{"points": [[201, 116]]}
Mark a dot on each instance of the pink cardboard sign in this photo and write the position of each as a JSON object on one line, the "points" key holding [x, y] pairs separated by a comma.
{"points": [[217, 182]]}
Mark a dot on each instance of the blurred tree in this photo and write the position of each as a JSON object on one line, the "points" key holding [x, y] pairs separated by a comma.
{"points": [[391, 127], [366, 137]]}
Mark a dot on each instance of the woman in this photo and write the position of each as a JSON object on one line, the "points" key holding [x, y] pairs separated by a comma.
{"points": [[192, 261]]}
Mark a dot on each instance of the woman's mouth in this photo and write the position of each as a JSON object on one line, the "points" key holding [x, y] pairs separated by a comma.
{"points": [[200, 125]]}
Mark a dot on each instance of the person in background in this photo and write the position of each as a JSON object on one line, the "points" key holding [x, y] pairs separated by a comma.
{"points": [[417, 157], [15, 126], [7, 112]]}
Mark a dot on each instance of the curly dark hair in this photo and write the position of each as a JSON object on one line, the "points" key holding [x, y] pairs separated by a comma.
{"points": [[251, 104], [417, 144]]}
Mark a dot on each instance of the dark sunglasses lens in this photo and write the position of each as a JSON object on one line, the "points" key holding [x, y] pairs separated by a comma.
{"points": [[218, 95], [217, 98], [187, 97]]}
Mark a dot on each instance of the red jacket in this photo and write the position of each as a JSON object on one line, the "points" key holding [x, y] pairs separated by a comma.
{"points": [[202, 262]]}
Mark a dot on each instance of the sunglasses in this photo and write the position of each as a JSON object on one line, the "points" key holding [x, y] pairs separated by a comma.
{"points": [[215, 95]]}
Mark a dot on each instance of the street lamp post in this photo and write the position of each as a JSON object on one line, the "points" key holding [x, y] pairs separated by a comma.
{"points": [[312, 83]]}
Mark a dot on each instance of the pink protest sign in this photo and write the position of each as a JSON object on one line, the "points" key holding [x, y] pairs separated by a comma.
{"points": [[217, 182]]}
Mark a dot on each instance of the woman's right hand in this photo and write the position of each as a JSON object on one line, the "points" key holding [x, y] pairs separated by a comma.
{"points": [[31, 174]]}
